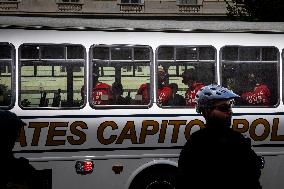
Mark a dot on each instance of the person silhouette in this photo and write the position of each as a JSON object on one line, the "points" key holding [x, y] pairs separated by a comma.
{"points": [[16, 172], [101, 92], [117, 92], [189, 78], [43, 100], [217, 156], [259, 94], [57, 98], [164, 90], [176, 99]]}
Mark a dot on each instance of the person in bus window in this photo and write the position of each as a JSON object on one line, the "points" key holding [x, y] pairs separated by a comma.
{"points": [[189, 78], [144, 91], [117, 91], [259, 94], [176, 99], [82, 92], [43, 100], [57, 98], [217, 156], [16, 172], [164, 90], [101, 93]]}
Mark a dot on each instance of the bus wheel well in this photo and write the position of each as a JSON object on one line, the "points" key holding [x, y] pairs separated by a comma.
{"points": [[155, 176]]}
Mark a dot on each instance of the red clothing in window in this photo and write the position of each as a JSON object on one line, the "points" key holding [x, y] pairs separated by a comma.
{"points": [[259, 96], [164, 94], [191, 93], [144, 90], [99, 90]]}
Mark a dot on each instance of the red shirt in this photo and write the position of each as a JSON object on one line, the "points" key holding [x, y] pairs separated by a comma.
{"points": [[191, 93], [260, 95], [144, 90], [164, 94], [99, 90]]}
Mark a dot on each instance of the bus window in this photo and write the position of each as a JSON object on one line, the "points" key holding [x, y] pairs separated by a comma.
{"points": [[7, 59], [120, 76], [251, 72], [182, 71], [51, 76]]}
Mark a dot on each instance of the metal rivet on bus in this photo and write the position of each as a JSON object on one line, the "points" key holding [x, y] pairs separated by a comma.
{"points": [[117, 169]]}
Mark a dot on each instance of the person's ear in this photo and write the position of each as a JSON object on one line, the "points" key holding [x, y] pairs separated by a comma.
{"points": [[205, 113]]}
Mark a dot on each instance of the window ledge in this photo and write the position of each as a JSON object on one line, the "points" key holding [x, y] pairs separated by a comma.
{"points": [[131, 7], [9, 5], [69, 6], [189, 8]]}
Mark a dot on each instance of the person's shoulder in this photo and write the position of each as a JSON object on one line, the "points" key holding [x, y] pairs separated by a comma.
{"points": [[200, 85], [143, 85], [102, 85], [207, 133], [202, 134]]}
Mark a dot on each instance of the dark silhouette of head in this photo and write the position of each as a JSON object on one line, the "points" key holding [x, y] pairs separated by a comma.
{"points": [[117, 89], [44, 94], [162, 77], [174, 87], [96, 75], [11, 125], [189, 76], [215, 102]]}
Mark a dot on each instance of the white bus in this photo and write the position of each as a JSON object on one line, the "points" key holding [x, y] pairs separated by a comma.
{"points": [[77, 143]]}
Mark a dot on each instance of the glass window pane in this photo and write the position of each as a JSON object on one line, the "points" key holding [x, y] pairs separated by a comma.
{"points": [[52, 52], [166, 53], [141, 53], [6, 74], [121, 83], [50, 83], [178, 81], [229, 53], [269, 54], [249, 53], [5, 51], [5, 83], [125, 1], [207, 53], [101, 53], [44, 70], [29, 51], [256, 82], [187, 53], [75, 52], [118, 53]]}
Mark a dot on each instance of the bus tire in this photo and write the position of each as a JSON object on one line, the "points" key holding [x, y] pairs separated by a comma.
{"points": [[160, 177]]}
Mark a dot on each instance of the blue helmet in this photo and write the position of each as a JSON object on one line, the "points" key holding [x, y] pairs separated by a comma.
{"points": [[208, 94]]}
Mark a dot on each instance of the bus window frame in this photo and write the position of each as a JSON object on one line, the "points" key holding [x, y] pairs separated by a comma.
{"points": [[182, 62], [282, 59], [49, 61], [110, 62], [221, 61], [13, 76]]}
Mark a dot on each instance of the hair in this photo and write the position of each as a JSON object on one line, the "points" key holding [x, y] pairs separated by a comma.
{"points": [[190, 74]]}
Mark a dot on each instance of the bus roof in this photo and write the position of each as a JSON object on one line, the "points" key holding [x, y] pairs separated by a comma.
{"points": [[119, 24]]}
